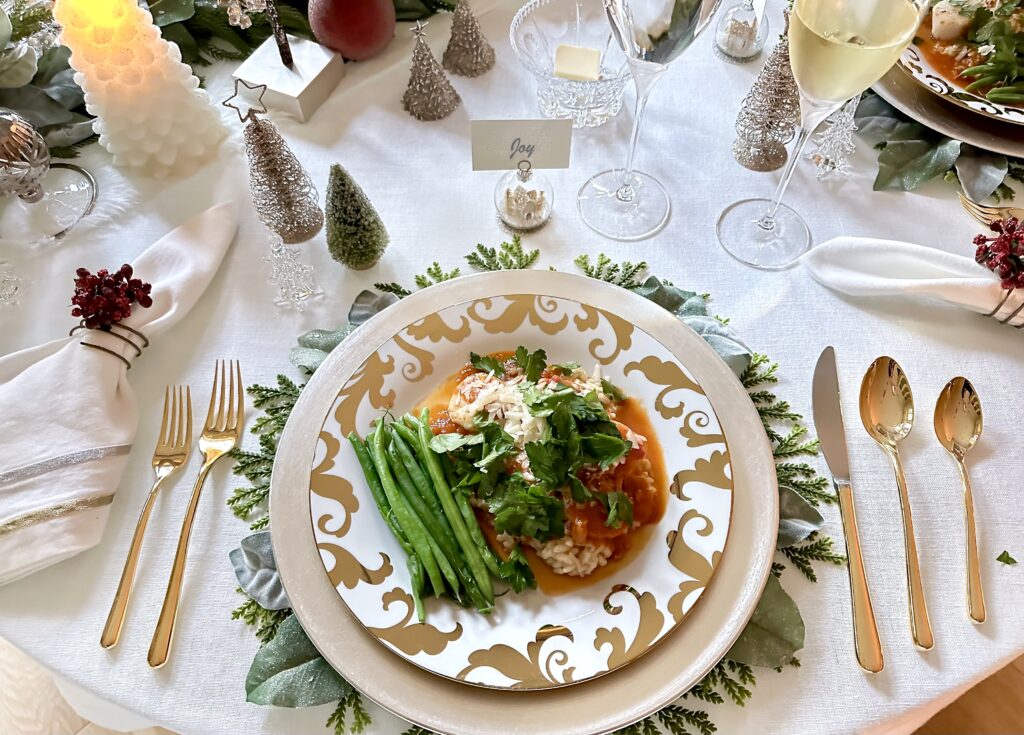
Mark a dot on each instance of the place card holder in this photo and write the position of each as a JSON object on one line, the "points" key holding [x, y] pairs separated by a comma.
{"points": [[1013, 313], [131, 337]]}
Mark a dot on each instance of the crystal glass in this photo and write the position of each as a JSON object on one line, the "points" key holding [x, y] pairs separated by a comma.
{"points": [[64, 195], [539, 28], [838, 48], [625, 204]]}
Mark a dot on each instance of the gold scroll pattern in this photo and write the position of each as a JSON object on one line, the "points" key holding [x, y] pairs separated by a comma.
{"points": [[711, 471], [623, 330], [532, 669], [412, 638], [672, 377], [521, 308], [348, 571], [689, 561], [649, 628]]}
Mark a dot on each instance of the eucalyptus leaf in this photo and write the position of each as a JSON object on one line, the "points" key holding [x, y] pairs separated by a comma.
{"points": [[257, 573], [63, 89], [306, 358], [679, 301], [51, 63], [35, 105], [409, 10], [323, 339], [289, 672], [6, 29], [775, 631], [798, 519], [980, 172], [166, 12], [907, 164], [180, 36], [723, 339], [17, 66], [80, 128], [367, 304], [876, 117]]}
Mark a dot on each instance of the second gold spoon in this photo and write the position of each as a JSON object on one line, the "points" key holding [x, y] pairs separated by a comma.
{"points": [[887, 410], [958, 424]]}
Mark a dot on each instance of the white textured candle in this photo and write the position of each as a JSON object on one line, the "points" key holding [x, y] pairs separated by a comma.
{"points": [[151, 114]]}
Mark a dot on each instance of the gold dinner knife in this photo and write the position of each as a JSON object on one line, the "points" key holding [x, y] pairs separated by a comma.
{"points": [[828, 422]]}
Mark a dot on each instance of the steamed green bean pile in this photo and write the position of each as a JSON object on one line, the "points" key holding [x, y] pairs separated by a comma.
{"points": [[434, 523]]}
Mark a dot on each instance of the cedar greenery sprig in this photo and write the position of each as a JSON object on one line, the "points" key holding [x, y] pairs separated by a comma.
{"points": [[434, 275], [815, 548], [339, 719], [507, 256], [626, 274], [266, 621]]}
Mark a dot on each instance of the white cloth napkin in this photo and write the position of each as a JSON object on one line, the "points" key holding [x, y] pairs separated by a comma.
{"points": [[69, 413], [860, 266]]}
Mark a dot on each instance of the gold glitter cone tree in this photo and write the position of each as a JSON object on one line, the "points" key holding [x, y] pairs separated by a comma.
{"points": [[429, 95], [770, 113], [282, 192], [468, 53]]}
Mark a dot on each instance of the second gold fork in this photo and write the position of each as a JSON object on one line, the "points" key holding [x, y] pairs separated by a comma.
{"points": [[172, 450]]}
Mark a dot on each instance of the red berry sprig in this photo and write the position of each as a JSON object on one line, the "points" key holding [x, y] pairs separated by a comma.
{"points": [[103, 299], [1004, 253]]}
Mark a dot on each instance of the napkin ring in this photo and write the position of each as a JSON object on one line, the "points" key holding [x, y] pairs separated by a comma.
{"points": [[129, 339], [1012, 315]]}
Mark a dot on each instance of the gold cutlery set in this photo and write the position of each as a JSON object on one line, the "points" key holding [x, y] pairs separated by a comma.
{"points": [[887, 412], [220, 434]]}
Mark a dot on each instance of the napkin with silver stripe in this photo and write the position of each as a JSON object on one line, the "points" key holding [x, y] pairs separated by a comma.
{"points": [[69, 414]]}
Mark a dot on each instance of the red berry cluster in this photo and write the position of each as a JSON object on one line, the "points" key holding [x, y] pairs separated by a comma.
{"points": [[1004, 253], [105, 298]]}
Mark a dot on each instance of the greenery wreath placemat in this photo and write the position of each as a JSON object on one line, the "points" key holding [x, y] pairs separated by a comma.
{"points": [[287, 671]]}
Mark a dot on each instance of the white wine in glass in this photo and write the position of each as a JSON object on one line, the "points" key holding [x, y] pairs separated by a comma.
{"points": [[838, 48], [622, 203]]}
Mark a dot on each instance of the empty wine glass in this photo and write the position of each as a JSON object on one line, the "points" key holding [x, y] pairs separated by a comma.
{"points": [[625, 204], [838, 48]]}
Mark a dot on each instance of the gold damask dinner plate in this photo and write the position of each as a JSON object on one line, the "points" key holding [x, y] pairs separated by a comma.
{"points": [[531, 640], [543, 298]]}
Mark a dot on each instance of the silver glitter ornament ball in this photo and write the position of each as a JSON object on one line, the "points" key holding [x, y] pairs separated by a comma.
{"points": [[24, 158]]}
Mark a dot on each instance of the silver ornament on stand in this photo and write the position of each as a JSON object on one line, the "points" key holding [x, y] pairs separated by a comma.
{"points": [[37, 210]]}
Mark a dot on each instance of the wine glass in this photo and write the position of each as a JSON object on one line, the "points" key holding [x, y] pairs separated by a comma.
{"points": [[838, 48], [625, 204]]}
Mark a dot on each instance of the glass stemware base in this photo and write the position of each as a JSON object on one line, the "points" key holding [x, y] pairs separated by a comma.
{"points": [[624, 207], [747, 234]]}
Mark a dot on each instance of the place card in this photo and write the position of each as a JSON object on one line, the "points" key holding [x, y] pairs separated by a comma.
{"points": [[578, 63], [500, 145]]}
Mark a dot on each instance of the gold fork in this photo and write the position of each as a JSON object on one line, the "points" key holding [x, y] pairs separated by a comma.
{"points": [[172, 450], [220, 435], [986, 214]]}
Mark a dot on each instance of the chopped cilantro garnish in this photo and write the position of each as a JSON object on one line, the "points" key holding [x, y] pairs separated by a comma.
{"points": [[450, 442], [531, 363], [565, 368], [619, 507], [604, 450], [1005, 558], [611, 390], [521, 509], [516, 571]]}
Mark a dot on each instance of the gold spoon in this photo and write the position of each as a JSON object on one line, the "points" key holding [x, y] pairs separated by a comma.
{"points": [[887, 410], [958, 424]]}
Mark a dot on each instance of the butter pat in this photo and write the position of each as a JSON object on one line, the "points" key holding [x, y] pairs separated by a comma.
{"points": [[577, 63]]}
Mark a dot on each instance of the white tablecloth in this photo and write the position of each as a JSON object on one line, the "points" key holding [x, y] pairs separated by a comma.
{"points": [[418, 176]]}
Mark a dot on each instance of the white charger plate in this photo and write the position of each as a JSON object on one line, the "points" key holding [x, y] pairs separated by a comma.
{"points": [[594, 707]]}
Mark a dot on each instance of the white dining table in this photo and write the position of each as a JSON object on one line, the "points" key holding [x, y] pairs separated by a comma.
{"points": [[418, 176]]}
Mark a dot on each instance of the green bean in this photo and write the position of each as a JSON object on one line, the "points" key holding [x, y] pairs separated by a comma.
{"points": [[451, 510], [407, 519], [982, 82], [444, 554], [416, 575], [474, 531], [377, 490], [1009, 96], [408, 434], [418, 476]]}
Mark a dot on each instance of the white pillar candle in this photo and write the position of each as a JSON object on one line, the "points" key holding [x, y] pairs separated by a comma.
{"points": [[151, 114]]}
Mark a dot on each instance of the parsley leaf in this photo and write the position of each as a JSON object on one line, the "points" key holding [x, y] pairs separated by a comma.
{"points": [[521, 509], [580, 492], [589, 408], [612, 391], [618, 506], [604, 449], [531, 363], [547, 463], [516, 571], [449, 442], [565, 368], [487, 364], [497, 444], [1005, 558]]}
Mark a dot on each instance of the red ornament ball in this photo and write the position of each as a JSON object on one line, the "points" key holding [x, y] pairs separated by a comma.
{"points": [[104, 298], [357, 29]]}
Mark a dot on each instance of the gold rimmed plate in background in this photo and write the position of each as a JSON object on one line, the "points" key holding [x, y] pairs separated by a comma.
{"points": [[596, 705]]}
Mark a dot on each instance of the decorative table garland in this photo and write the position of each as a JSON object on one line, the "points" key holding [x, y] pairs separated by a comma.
{"points": [[289, 672]]}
